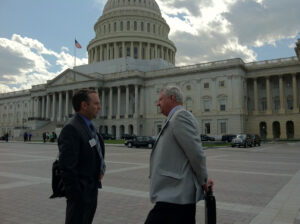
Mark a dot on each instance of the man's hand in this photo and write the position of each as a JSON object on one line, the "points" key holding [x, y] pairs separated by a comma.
{"points": [[101, 176], [210, 182]]}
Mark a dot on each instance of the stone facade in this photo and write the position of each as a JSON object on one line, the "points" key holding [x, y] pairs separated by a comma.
{"points": [[128, 67]]}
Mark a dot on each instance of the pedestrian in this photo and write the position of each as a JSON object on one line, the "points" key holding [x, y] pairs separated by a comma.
{"points": [[44, 137], [29, 137], [178, 174], [25, 136], [6, 137], [81, 158]]}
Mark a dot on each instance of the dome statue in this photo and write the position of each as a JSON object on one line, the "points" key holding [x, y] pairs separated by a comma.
{"points": [[131, 28]]}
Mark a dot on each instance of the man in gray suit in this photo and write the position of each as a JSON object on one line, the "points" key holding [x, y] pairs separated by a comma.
{"points": [[178, 174]]}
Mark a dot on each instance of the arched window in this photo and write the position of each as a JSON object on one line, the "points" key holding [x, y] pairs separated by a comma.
{"points": [[148, 27], [142, 26], [115, 26], [128, 25], [207, 104]]}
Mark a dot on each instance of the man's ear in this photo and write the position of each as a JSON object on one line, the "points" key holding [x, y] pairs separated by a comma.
{"points": [[83, 105]]}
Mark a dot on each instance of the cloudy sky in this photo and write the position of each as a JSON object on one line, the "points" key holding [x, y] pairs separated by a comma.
{"points": [[37, 37]]}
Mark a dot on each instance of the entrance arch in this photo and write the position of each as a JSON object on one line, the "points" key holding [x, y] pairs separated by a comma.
{"points": [[121, 130], [276, 130], [113, 130], [290, 129], [130, 129], [263, 130]]}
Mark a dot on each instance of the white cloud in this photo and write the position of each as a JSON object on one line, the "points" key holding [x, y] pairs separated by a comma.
{"points": [[210, 30], [23, 63]]}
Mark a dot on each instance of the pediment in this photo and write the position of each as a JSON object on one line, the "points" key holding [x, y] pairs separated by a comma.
{"points": [[69, 76]]}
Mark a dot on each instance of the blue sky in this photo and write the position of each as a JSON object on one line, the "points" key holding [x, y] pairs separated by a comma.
{"points": [[37, 36]]}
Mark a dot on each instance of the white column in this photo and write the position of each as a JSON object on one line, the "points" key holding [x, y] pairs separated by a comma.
{"points": [[47, 106], [132, 50], [67, 105], [119, 102], [136, 100], [127, 102], [268, 95], [53, 107], [295, 94], [43, 107], [107, 51], [255, 96], [101, 50], [73, 111], [103, 102], [142, 90], [123, 50], [59, 106], [116, 50], [148, 52], [110, 103], [140, 50], [281, 95]]}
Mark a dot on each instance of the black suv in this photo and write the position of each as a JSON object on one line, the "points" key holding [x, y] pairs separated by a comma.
{"points": [[140, 141], [127, 136], [256, 140], [228, 138], [244, 140], [108, 136], [207, 138]]}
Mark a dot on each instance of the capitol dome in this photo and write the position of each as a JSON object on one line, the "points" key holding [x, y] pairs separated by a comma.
{"points": [[131, 28]]}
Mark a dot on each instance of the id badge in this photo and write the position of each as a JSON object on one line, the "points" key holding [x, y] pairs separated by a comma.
{"points": [[92, 142]]}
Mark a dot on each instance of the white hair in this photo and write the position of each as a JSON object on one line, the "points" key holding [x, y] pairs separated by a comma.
{"points": [[175, 91]]}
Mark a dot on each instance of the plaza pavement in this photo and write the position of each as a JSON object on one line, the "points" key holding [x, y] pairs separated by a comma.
{"points": [[258, 185]]}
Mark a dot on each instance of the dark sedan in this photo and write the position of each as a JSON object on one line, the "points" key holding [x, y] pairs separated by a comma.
{"points": [[140, 141], [207, 138]]}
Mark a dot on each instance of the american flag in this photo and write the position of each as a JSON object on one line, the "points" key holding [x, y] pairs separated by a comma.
{"points": [[77, 44]]}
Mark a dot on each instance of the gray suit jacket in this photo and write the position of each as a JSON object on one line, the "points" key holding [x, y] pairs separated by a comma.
{"points": [[177, 162]]}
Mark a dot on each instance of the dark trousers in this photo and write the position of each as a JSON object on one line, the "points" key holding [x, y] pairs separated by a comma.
{"points": [[80, 212], [168, 213]]}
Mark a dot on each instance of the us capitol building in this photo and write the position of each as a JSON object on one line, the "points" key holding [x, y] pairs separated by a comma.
{"points": [[131, 58]]}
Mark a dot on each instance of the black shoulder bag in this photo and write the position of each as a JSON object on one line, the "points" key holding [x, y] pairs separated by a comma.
{"points": [[57, 183], [210, 207]]}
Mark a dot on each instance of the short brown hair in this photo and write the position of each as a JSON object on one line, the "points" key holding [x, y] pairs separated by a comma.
{"points": [[80, 96]]}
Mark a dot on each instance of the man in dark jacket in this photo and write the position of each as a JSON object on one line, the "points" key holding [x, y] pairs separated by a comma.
{"points": [[81, 159]]}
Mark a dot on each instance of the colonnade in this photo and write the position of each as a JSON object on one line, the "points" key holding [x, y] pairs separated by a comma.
{"points": [[57, 106], [137, 50], [282, 95]]}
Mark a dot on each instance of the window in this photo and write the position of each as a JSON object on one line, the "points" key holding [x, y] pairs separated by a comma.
{"points": [[154, 30], [289, 102], [128, 25], [120, 52], [128, 51], [115, 26], [222, 126], [222, 104], [109, 28], [104, 29], [148, 27], [135, 53], [206, 127], [276, 103], [263, 104], [142, 26], [206, 85], [222, 83], [207, 105]]}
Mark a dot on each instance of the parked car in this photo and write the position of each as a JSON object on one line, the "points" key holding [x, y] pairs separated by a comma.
{"points": [[207, 138], [256, 140], [228, 138], [127, 136], [244, 140], [140, 141], [108, 136]]}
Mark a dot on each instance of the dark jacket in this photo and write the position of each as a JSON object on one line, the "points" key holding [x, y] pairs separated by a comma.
{"points": [[79, 162]]}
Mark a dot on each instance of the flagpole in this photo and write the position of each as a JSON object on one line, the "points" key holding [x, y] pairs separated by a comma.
{"points": [[75, 54]]}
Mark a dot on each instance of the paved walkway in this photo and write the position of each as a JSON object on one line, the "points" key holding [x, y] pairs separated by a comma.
{"points": [[253, 186]]}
